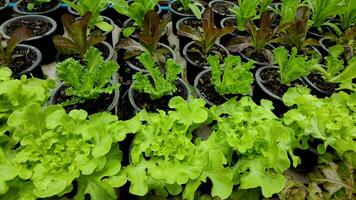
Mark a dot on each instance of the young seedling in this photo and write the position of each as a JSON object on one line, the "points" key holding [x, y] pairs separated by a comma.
{"points": [[159, 82], [247, 9], [6, 53], [324, 9], [191, 5], [95, 7], [35, 3], [207, 36], [153, 28], [234, 78], [348, 18], [87, 81], [76, 39], [293, 66]]}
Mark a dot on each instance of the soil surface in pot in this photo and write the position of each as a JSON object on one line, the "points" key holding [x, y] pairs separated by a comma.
{"points": [[22, 59], [320, 83], [177, 6], [91, 106], [43, 7], [143, 100], [165, 56], [104, 50], [38, 26], [207, 90], [195, 54], [222, 8], [271, 80], [195, 23], [257, 56]]}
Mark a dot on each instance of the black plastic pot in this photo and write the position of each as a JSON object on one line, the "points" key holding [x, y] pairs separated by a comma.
{"points": [[247, 58], [218, 16], [4, 12], [112, 108], [183, 40], [109, 57], [43, 42], [261, 92], [138, 109], [315, 90], [193, 69], [35, 69], [138, 69], [176, 15], [226, 38]]}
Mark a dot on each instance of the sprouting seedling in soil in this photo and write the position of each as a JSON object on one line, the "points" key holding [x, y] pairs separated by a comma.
{"points": [[207, 36], [36, 3], [6, 53], [192, 6], [78, 37]]}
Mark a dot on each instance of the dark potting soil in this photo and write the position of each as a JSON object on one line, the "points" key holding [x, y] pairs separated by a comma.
{"points": [[197, 56], [22, 58], [43, 7], [166, 55], [104, 50], [91, 106], [320, 83], [143, 100], [177, 6], [195, 23], [257, 56], [37, 26], [207, 90], [222, 8], [271, 80]]}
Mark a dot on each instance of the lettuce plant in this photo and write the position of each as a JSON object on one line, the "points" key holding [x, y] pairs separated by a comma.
{"points": [[159, 82], [324, 9], [6, 53], [162, 152], [262, 143], [235, 76], [296, 32], [153, 28], [135, 11], [95, 7], [336, 72], [329, 120], [245, 10], [77, 39], [16, 94], [207, 36], [348, 40], [59, 148], [36, 3], [191, 5], [88, 81], [288, 10], [348, 18], [293, 66]]}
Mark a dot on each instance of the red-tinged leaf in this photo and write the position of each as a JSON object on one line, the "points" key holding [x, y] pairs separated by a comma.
{"points": [[239, 44], [85, 21], [67, 21], [130, 45], [189, 31], [95, 37], [19, 35], [64, 45]]}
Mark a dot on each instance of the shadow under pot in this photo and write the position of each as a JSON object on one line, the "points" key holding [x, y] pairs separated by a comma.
{"points": [[43, 28], [134, 35], [141, 100], [177, 12], [136, 66], [269, 87], [197, 61], [189, 21], [26, 60], [104, 103], [205, 89], [105, 49], [4, 10], [221, 9], [318, 86]]}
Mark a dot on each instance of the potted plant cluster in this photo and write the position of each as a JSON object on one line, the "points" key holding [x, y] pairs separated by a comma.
{"points": [[188, 100]]}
